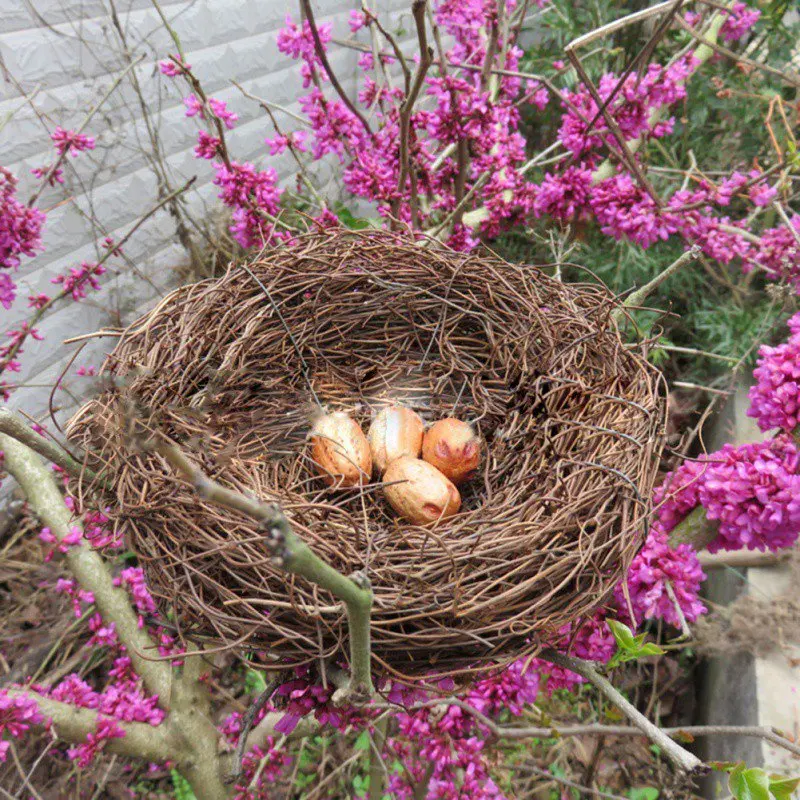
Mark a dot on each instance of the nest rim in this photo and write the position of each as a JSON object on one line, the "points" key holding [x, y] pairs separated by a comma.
{"points": [[489, 585]]}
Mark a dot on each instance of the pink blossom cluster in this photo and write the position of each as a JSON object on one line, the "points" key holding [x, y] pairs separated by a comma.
{"points": [[73, 538], [663, 582], [80, 279], [590, 639], [20, 232], [17, 714], [775, 397], [751, 490], [262, 765], [132, 578], [78, 596], [71, 142]]}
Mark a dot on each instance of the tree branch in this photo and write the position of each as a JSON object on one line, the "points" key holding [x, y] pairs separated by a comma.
{"points": [[640, 295], [12, 425], [695, 529], [291, 554], [73, 724], [305, 5], [113, 603], [681, 758], [407, 106]]}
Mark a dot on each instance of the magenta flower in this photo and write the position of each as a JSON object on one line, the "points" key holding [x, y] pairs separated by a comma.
{"points": [[71, 142], [173, 66], [740, 19], [17, 714], [775, 397]]}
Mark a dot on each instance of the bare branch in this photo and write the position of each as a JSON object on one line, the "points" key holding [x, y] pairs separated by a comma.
{"points": [[681, 758], [323, 57]]}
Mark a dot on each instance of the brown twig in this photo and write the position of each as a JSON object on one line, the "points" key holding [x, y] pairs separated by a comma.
{"points": [[305, 5], [407, 106], [681, 758]]}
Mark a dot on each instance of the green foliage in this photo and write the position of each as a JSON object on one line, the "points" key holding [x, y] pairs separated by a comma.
{"points": [[754, 783], [348, 219], [630, 647], [254, 682], [180, 786], [643, 793]]}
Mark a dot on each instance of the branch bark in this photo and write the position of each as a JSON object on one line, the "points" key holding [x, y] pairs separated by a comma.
{"points": [[157, 743], [291, 554], [36, 480], [681, 758]]}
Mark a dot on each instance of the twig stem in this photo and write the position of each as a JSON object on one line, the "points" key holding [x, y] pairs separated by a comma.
{"points": [[291, 554], [681, 758]]}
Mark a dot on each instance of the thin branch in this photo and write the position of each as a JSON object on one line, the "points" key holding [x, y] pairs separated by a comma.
{"points": [[12, 425], [91, 572], [86, 120], [636, 298], [247, 724], [695, 529], [681, 758], [290, 554], [305, 5], [784, 76], [407, 106], [701, 55]]}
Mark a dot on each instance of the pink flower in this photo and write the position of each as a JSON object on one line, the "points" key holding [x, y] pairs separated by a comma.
{"points": [[70, 142], [57, 175], [17, 714], [358, 19], [741, 18], [173, 66], [207, 146], [658, 571], [84, 754], [220, 110], [80, 279], [194, 105], [8, 290], [20, 226], [775, 398], [753, 491]]}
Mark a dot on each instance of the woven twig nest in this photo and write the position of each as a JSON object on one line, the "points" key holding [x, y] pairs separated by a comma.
{"points": [[570, 418]]}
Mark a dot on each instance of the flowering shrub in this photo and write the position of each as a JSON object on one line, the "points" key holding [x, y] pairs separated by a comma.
{"points": [[454, 166]]}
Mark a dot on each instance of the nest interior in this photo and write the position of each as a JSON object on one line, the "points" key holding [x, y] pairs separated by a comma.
{"points": [[571, 421]]}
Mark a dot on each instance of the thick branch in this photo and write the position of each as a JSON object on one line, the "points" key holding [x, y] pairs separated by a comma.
{"points": [[156, 743], [291, 554], [36, 481], [696, 529], [11, 424], [682, 759]]}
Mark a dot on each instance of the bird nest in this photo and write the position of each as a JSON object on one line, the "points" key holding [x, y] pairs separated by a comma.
{"points": [[570, 419]]}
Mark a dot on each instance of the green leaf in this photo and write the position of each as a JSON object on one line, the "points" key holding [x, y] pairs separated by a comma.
{"points": [[783, 788], [630, 647], [347, 218], [643, 793], [362, 742], [622, 634], [254, 682], [749, 784], [180, 786]]}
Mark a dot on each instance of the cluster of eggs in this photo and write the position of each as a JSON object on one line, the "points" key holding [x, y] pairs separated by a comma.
{"points": [[420, 468]]}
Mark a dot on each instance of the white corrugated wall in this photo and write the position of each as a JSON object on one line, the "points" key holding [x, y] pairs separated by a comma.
{"points": [[66, 54]]}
